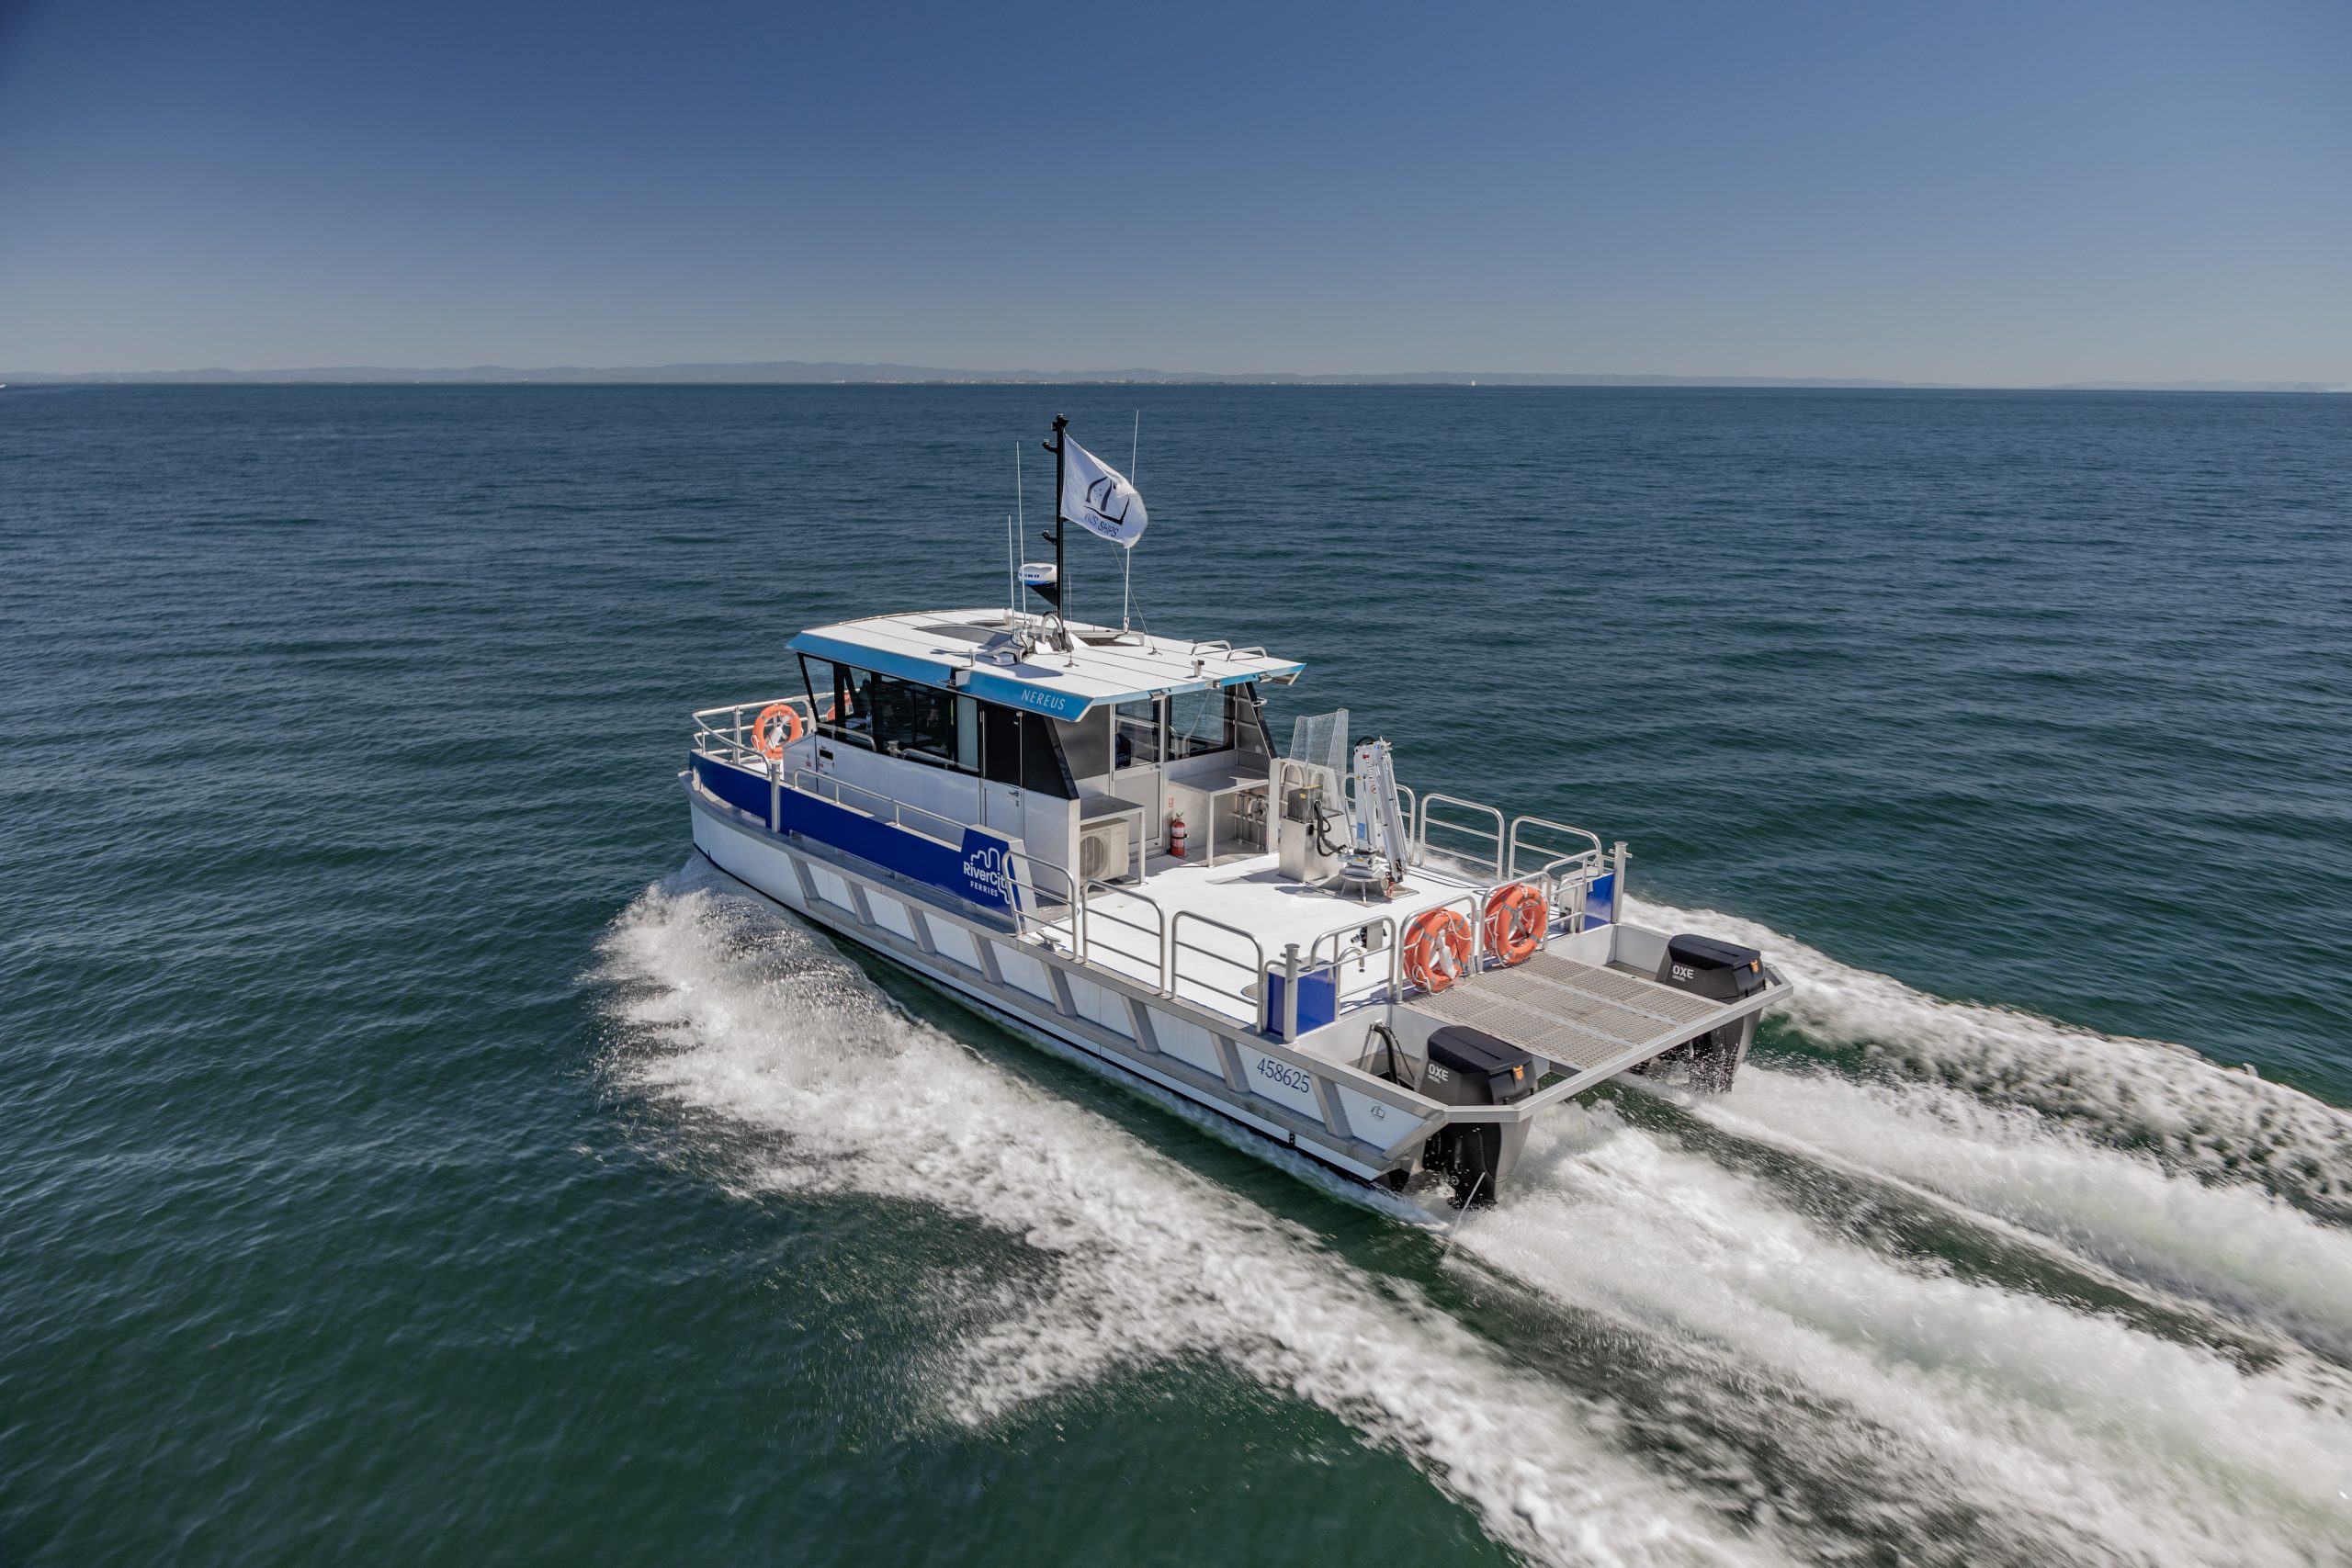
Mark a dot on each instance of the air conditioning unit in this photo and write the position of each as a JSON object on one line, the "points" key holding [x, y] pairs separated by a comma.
{"points": [[1103, 849]]}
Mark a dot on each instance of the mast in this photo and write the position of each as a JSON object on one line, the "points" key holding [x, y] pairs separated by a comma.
{"points": [[1061, 531]]}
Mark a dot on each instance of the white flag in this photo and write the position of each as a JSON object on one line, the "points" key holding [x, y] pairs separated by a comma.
{"points": [[1098, 498]]}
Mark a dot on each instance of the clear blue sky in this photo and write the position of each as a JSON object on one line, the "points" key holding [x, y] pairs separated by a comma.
{"points": [[1988, 192]]}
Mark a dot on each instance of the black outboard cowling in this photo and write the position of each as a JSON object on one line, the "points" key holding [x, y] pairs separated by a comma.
{"points": [[1466, 1067], [1720, 971]]}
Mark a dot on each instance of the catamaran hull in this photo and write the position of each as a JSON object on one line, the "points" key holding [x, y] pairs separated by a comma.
{"points": [[1029, 990], [1365, 1128]]}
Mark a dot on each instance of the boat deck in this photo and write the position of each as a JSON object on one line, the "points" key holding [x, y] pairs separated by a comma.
{"points": [[1159, 931], [1580, 1014]]}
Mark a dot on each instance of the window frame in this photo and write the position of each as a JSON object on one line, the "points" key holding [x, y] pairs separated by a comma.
{"points": [[1171, 737]]}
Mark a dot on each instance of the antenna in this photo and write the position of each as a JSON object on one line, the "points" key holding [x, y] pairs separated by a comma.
{"points": [[1128, 568], [1022, 520], [1012, 565]]}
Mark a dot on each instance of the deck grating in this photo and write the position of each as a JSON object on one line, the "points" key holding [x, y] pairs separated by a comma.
{"points": [[1546, 1034], [1645, 996], [1571, 1012]]}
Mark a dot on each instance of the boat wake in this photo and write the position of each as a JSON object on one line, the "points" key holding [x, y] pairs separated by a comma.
{"points": [[2110, 1439], [1686, 1363], [728, 1007], [2191, 1116]]}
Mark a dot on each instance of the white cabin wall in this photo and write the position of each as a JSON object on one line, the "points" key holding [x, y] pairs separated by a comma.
{"points": [[1145, 787], [959, 797], [1049, 824]]}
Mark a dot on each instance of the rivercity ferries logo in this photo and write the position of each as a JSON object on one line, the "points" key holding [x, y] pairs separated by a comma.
{"points": [[987, 870]]}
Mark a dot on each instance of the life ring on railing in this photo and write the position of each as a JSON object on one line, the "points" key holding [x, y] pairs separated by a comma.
{"points": [[1516, 916], [771, 746], [1437, 949]]}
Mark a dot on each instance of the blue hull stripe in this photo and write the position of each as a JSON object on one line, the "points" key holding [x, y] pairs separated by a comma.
{"points": [[979, 871]]}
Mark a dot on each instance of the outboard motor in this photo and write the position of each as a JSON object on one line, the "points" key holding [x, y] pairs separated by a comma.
{"points": [[1466, 1067], [1721, 972]]}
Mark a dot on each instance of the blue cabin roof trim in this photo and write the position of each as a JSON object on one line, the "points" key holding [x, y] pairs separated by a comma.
{"points": [[1029, 686]]}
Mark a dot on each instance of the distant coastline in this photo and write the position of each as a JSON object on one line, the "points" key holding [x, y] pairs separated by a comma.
{"points": [[797, 372]]}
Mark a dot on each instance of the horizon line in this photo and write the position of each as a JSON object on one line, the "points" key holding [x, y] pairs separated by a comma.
{"points": [[795, 372]]}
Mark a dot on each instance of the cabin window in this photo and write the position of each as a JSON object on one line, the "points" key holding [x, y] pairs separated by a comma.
{"points": [[967, 736], [839, 696], [1135, 735], [1018, 749], [911, 720], [816, 675], [1198, 724], [854, 710], [1086, 744]]}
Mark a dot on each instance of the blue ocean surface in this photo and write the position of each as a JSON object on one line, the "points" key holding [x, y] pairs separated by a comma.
{"points": [[409, 1155]]}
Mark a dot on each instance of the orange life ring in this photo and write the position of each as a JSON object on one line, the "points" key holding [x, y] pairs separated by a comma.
{"points": [[772, 747], [1437, 949], [1515, 917]]}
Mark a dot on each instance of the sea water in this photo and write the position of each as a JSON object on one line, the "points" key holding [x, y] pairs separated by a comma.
{"points": [[408, 1154]]}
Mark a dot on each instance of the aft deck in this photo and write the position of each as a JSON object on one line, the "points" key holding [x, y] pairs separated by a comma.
{"points": [[1205, 932]]}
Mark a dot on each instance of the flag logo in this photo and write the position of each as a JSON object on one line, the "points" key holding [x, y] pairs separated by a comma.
{"points": [[1099, 497]]}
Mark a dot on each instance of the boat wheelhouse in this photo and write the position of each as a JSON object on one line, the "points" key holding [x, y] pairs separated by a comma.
{"points": [[1092, 834]]}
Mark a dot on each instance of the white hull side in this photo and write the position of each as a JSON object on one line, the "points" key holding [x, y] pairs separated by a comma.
{"points": [[1012, 983]]}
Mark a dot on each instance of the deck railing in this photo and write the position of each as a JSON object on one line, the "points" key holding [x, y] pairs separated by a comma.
{"points": [[1247, 992], [1047, 900], [1356, 942], [726, 731], [1459, 827], [1111, 930], [875, 804], [1558, 861]]}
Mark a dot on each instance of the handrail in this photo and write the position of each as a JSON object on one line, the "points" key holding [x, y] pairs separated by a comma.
{"points": [[1425, 821], [1177, 944], [1363, 951], [895, 816], [1543, 889], [1025, 867], [1565, 879], [1474, 909], [1157, 931], [1519, 824], [1570, 911], [734, 736], [702, 715]]}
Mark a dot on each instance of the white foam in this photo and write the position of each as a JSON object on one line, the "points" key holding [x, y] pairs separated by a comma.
{"points": [[728, 1011], [2192, 1114], [2234, 1247], [2034, 1411]]}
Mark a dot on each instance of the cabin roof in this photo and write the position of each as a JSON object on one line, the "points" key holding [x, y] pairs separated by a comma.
{"points": [[944, 647]]}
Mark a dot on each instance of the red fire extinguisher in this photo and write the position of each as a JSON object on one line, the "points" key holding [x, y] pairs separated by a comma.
{"points": [[1176, 837]]}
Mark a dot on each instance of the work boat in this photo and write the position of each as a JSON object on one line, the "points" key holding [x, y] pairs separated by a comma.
{"points": [[1090, 834]]}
